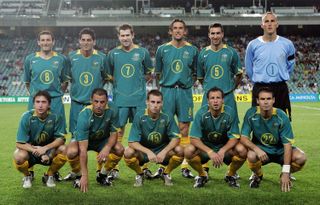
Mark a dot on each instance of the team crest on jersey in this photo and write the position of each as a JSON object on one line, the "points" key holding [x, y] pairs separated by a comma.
{"points": [[224, 57], [97, 135], [162, 123], [55, 64], [135, 57], [214, 136], [186, 54], [95, 64]]}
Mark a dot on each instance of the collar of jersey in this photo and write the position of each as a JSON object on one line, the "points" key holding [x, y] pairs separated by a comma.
{"points": [[274, 110]]}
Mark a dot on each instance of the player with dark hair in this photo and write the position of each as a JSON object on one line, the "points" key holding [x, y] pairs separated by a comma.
{"points": [[87, 71], [176, 64], [96, 130], [215, 136], [40, 140], [267, 133], [153, 137], [269, 61]]}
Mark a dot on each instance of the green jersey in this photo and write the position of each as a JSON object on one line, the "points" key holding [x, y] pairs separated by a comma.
{"points": [[86, 74], [215, 132], [128, 69], [45, 74], [96, 129], [218, 68], [176, 65], [268, 134], [153, 134], [39, 132]]}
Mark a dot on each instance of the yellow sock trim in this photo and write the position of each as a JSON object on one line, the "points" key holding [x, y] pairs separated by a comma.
{"points": [[75, 164], [23, 168], [145, 166], [236, 163], [112, 161], [58, 161], [133, 164], [120, 139], [256, 167], [185, 140], [174, 162], [205, 165], [184, 164], [195, 163], [99, 165]]}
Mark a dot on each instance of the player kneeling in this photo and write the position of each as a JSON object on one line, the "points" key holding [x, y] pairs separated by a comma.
{"points": [[40, 140], [271, 140], [96, 130], [153, 137], [214, 136]]}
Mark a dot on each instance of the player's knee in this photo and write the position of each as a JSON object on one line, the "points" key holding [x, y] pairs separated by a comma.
{"points": [[189, 151], [299, 157], [62, 149], [119, 149], [20, 156], [241, 150], [251, 156], [179, 151], [129, 153], [72, 152]]}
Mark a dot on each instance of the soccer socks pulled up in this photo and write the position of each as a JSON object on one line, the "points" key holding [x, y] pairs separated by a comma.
{"points": [[75, 164], [23, 168], [133, 163], [58, 161], [99, 165], [112, 161], [236, 163], [195, 163], [174, 162], [256, 167]]}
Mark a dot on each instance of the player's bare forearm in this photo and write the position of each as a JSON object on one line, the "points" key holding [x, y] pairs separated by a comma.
{"points": [[138, 147], [237, 79], [64, 86], [55, 144], [230, 144], [172, 144], [199, 144], [247, 143], [287, 154], [83, 155], [25, 146]]}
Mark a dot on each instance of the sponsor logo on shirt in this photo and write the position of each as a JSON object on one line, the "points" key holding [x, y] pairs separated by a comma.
{"points": [[136, 57], [224, 57], [186, 54]]}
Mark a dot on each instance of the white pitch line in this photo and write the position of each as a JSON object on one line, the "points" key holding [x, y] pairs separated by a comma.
{"points": [[306, 107]]}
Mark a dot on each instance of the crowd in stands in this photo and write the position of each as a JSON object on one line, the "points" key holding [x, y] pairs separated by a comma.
{"points": [[305, 78]]}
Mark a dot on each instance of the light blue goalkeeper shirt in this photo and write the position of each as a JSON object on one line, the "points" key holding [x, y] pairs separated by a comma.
{"points": [[269, 62]]}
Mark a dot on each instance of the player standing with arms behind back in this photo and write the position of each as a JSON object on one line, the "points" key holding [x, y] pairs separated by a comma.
{"points": [[176, 64]]}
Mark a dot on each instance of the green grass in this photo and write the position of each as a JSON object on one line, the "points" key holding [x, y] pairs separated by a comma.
{"points": [[306, 118]]}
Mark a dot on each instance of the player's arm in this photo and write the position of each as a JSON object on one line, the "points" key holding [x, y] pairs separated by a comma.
{"points": [[251, 146], [138, 147], [25, 146], [172, 144], [103, 154], [285, 174], [41, 150], [216, 159], [229, 145], [83, 148], [249, 60]]}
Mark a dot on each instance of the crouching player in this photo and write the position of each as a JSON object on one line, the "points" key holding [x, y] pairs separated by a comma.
{"points": [[215, 136], [153, 137], [40, 140], [271, 140], [96, 130]]}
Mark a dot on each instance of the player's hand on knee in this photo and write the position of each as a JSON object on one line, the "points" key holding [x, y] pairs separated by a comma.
{"points": [[160, 157], [45, 159], [285, 182], [152, 157], [263, 157]]}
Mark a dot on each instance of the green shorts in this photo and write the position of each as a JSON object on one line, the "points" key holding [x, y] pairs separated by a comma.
{"points": [[205, 158], [145, 158], [75, 109], [178, 101], [37, 160], [56, 107], [128, 113], [228, 100]]}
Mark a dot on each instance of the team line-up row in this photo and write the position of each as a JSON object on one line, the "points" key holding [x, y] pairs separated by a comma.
{"points": [[97, 125]]}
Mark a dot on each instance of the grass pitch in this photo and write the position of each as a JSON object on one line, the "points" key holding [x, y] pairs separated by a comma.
{"points": [[306, 126]]}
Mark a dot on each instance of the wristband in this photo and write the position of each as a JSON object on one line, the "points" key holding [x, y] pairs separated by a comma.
{"points": [[286, 168], [209, 152]]}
